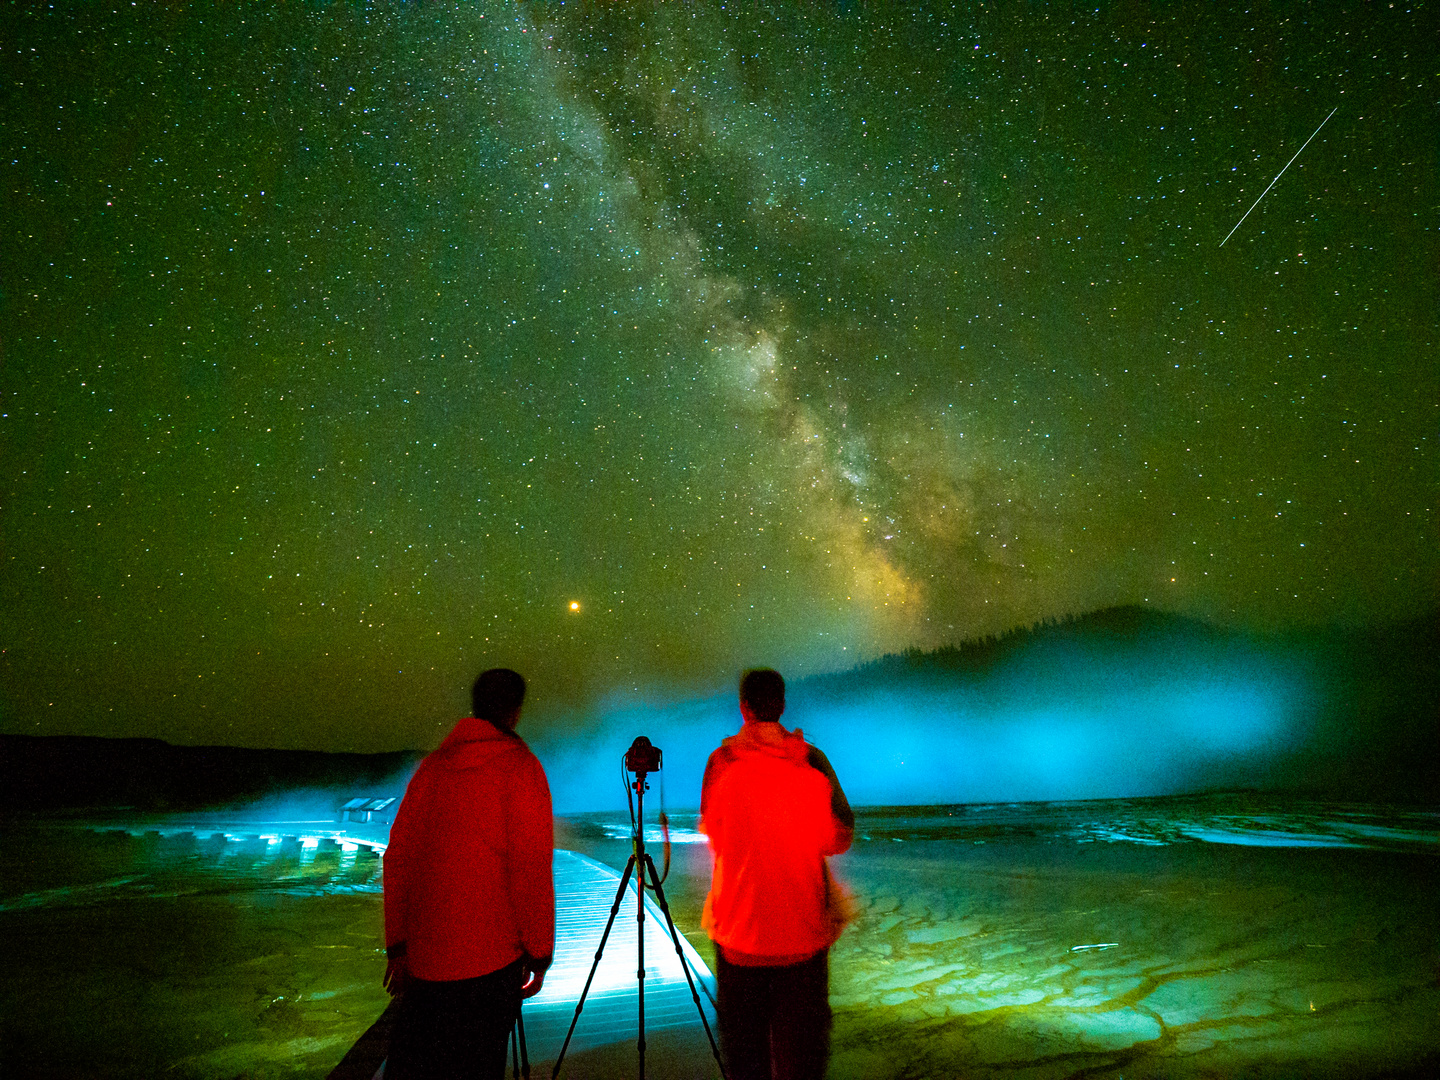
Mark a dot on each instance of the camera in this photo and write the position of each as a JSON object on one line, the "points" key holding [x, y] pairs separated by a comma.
{"points": [[642, 757]]}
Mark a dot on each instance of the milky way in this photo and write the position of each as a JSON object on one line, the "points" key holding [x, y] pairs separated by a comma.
{"points": [[350, 351]]}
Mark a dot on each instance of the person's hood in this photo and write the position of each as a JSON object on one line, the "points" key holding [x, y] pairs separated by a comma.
{"points": [[474, 743], [769, 738]]}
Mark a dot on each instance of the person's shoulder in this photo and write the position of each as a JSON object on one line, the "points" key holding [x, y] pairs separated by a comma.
{"points": [[423, 771], [718, 763], [519, 755], [722, 755]]}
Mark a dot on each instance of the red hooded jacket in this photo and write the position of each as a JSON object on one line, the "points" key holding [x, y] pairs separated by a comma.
{"points": [[767, 808], [468, 881]]}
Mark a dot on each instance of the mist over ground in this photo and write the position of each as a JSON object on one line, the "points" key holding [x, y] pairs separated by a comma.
{"points": [[1120, 703]]}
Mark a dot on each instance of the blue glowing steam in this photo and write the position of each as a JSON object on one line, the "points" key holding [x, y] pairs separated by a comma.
{"points": [[1053, 720]]}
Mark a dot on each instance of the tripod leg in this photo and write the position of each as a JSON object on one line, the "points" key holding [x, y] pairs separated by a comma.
{"points": [[614, 910], [640, 970], [684, 965], [524, 1053]]}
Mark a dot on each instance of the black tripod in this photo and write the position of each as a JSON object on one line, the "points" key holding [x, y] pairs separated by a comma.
{"points": [[517, 1049], [640, 864]]}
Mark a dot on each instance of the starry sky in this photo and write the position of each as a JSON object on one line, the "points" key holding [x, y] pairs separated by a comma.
{"points": [[349, 350]]}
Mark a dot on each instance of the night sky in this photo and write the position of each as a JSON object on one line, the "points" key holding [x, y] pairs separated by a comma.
{"points": [[348, 351]]}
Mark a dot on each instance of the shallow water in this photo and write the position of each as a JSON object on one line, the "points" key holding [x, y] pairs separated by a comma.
{"points": [[1184, 960], [1216, 936], [142, 956], [1212, 936]]}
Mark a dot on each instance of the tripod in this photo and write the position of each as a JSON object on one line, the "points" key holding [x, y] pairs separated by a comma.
{"points": [[517, 1049], [643, 867]]}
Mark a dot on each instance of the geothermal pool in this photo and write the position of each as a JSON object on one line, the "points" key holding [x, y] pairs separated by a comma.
{"points": [[1184, 937]]}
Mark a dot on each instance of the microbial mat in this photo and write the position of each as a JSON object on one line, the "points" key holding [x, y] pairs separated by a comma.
{"points": [[1204, 936]]}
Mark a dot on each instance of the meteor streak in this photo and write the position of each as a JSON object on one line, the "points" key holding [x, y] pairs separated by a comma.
{"points": [[1279, 174]]}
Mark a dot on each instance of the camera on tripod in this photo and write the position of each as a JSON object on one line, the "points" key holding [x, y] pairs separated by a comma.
{"points": [[642, 757]]}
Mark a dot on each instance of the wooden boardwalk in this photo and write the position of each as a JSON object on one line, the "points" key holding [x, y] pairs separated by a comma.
{"points": [[584, 893], [604, 1041]]}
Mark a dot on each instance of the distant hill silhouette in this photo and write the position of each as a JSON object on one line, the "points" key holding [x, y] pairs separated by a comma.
{"points": [[1113, 626], [55, 772]]}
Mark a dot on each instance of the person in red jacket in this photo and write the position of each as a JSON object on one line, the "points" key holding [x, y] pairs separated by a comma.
{"points": [[773, 810], [469, 893]]}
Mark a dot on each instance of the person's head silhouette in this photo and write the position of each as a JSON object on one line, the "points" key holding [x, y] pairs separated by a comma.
{"points": [[497, 696]]}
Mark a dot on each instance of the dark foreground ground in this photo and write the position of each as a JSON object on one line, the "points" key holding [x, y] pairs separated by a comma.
{"points": [[128, 957]]}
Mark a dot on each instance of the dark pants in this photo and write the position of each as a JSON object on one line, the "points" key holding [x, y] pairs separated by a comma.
{"points": [[775, 1021], [448, 1030]]}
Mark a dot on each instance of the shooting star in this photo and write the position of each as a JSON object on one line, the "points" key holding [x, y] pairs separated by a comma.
{"points": [[1279, 174]]}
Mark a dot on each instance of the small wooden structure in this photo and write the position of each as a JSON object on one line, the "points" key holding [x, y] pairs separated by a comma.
{"points": [[363, 808]]}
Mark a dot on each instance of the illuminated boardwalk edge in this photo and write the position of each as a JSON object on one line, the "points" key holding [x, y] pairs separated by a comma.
{"points": [[584, 892]]}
